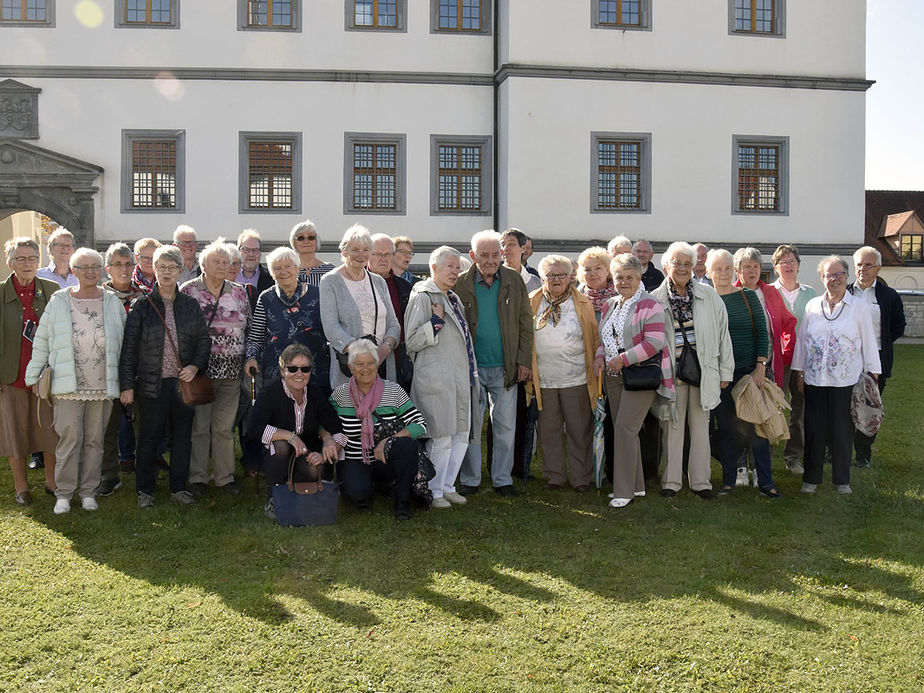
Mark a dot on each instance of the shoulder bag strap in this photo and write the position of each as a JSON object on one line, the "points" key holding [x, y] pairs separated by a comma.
{"points": [[375, 302], [215, 309], [166, 330], [747, 304]]}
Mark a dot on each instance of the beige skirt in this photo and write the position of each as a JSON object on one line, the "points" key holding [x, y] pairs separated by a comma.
{"points": [[20, 434]]}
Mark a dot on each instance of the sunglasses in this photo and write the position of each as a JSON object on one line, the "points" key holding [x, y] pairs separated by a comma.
{"points": [[303, 237], [296, 369]]}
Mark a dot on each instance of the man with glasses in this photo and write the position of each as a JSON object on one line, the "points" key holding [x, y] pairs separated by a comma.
{"points": [[60, 247], [404, 253], [380, 262], [184, 238], [888, 314], [254, 276]]}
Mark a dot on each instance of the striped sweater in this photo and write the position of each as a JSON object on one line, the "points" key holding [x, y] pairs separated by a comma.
{"points": [[394, 404]]}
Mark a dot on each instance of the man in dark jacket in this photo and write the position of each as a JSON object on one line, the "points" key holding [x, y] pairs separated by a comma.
{"points": [[888, 322], [383, 250], [253, 275], [501, 323], [652, 277]]}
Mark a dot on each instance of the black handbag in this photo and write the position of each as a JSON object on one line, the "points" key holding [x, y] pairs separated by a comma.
{"points": [[645, 375], [303, 503], [688, 369]]}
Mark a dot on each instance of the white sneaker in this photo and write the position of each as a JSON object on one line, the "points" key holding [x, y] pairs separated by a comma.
{"points": [[753, 474], [455, 498], [440, 503], [639, 494], [809, 488], [620, 502], [89, 503], [795, 467], [742, 479], [843, 489], [62, 505]]}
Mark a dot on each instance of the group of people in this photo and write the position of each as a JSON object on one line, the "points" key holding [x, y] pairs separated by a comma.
{"points": [[369, 374]]}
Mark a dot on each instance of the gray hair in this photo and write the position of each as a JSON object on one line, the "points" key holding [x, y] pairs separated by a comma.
{"points": [[234, 253], [59, 233], [618, 241], [118, 248], [290, 352], [831, 258], [82, 253], [486, 235], [183, 228], [376, 237], [867, 250], [441, 254], [306, 225], [171, 252], [717, 254], [748, 254], [13, 244], [546, 263], [625, 261], [218, 246], [677, 247], [360, 347], [281, 253], [249, 233], [642, 241], [357, 233]]}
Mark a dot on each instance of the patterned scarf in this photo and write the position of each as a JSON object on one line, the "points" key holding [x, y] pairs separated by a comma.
{"points": [[460, 316], [552, 309], [141, 280], [365, 405], [682, 306], [599, 297]]}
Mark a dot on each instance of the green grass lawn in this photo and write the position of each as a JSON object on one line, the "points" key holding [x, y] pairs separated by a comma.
{"points": [[551, 591]]}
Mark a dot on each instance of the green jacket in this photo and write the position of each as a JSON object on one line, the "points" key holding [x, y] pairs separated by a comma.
{"points": [[11, 323], [516, 317]]}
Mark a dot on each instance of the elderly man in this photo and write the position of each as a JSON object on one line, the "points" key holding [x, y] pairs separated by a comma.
{"points": [[60, 247], [380, 263], [618, 246], [652, 277], [699, 269], [184, 238], [499, 317], [404, 253], [254, 276], [888, 323]]}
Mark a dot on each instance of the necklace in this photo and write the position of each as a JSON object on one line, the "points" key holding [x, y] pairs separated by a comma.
{"points": [[833, 315]]}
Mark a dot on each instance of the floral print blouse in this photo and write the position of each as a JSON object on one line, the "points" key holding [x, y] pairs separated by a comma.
{"points": [[228, 318]]}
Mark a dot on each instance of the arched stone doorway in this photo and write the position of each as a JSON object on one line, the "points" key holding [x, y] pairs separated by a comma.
{"points": [[59, 186]]}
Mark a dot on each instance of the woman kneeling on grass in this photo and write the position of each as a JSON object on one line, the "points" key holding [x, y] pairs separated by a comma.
{"points": [[292, 417]]}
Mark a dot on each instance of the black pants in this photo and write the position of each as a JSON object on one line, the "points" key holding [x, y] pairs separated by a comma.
{"points": [[358, 480], [862, 443], [827, 425], [155, 415], [649, 438]]}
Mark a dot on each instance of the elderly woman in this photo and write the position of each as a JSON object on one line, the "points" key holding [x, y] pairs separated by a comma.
{"points": [[24, 299], [287, 313], [355, 304], [305, 241], [234, 261], [292, 417], [593, 273], [166, 340], [563, 375], [381, 425], [750, 345], [79, 336], [697, 320], [143, 275], [446, 376], [836, 344], [781, 324], [632, 330], [226, 308], [60, 247]]}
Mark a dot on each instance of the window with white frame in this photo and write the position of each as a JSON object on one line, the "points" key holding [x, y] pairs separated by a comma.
{"points": [[153, 170], [621, 172], [270, 172], [374, 173], [761, 175]]}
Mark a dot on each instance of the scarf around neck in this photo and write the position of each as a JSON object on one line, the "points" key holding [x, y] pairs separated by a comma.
{"points": [[552, 309], [365, 405], [599, 297]]}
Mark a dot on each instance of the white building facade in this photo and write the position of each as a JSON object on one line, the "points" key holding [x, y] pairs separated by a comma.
{"points": [[730, 122]]}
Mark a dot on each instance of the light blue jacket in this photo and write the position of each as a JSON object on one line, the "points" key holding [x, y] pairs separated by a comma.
{"points": [[54, 344]]}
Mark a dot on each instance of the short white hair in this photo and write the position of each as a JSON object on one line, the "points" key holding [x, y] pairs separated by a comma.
{"points": [[487, 235], [717, 254], [675, 248], [306, 225], [359, 234], [281, 253], [181, 229], [234, 253], [249, 233], [747, 254], [360, 347], [618, 241], [218, 246], [441, 254], [867, 250], [376, 237], [59, 233], [81, 253], [545, 264]]}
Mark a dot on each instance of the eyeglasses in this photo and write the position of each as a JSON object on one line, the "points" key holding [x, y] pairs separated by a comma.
{"points": [[120, 265], [405, 252], [62, 245], [557, 277], [866, 265], [682, 265], [167, 268], [296, 369], [88, 268], [383, 256], [145, 258], [788, 263], [186, 244], [835, 275], [305, 237], [250, 251], [27, 259]]}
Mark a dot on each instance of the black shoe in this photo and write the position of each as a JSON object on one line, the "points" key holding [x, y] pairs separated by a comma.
{"points": [[403, 512], [49, 491], [108, 486], [365, 504], [127, 466], [37, 461], [705, 493], [862, 463], [507, 491], [231, 489], [467, 490], [24, 498], [668, 493], [770, 492], [198, 489]]}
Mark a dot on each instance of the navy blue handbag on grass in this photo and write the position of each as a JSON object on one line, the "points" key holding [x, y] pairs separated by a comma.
{"points": [[301, 503]]}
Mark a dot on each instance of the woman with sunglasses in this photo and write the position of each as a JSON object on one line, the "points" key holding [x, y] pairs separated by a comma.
{"points": [[305, 241], [292, 417], [80, 337]]}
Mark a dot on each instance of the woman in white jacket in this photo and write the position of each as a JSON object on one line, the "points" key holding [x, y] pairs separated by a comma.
{"points": [[80, 337], [445, 372]]}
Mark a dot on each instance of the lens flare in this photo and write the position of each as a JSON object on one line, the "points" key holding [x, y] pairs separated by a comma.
{"points": [[88, 13]]}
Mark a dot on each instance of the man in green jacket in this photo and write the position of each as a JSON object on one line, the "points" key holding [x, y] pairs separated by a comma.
{"points": [[501, 323]]}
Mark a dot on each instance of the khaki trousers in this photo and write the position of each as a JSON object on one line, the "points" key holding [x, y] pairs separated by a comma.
{"points": [[212, 426], [571, 406], [628, 411], [81, 426], [690, 410]]}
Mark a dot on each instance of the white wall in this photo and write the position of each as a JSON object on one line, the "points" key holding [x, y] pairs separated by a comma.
{"points": [[548, 124]]}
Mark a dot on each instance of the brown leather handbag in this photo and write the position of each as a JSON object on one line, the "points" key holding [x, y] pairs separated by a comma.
{"points": [[199, 390]]}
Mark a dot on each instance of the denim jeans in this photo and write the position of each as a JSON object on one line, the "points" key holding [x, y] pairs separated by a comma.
{"points": [[503, 412]]}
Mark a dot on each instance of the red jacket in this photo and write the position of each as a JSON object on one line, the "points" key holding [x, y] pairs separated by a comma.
{"points": [[783, 326]]}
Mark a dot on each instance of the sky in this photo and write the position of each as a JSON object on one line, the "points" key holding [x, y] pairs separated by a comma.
{"points": [[895, 104]]}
